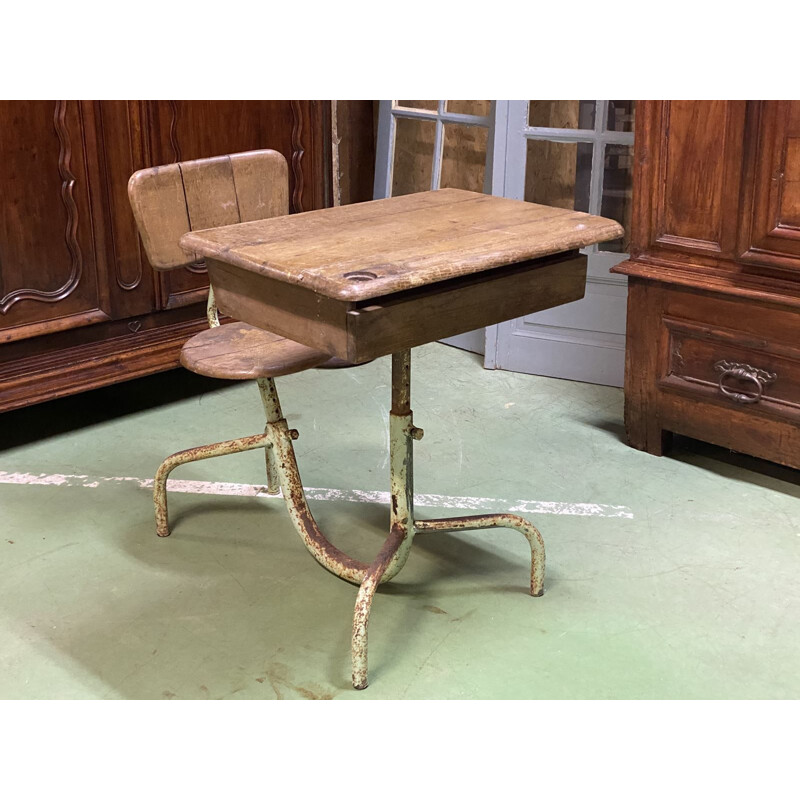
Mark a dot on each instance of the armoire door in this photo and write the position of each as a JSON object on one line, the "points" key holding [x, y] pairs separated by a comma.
{"points": [[770, 234], [52, 275]]}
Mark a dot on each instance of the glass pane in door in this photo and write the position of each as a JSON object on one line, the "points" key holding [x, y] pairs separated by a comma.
{"points": [[617, 184], [464, 157], [478, 108], [558, 173], [428, 105], [413, 156], [621, 115], [570, 114]]}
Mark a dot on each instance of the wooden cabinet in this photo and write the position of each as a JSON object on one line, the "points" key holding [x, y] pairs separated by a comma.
{"points": [[713, 340], [80, 306]]}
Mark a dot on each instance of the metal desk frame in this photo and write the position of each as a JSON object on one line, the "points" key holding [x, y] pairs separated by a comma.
{"points": [[283, 476]]}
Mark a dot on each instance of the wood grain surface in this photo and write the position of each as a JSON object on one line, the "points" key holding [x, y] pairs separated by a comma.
{"points": [[170, 200], [238, 351], [354, 253]]}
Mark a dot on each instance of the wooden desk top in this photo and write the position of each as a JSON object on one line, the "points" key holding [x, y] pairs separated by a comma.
{"points": [[366, 250]]}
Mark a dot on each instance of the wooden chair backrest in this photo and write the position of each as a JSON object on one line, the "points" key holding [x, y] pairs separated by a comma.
{"points": [[188, 196]]}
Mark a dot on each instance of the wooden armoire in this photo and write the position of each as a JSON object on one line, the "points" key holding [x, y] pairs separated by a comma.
{"points": [[713, 331], [80, 306]]}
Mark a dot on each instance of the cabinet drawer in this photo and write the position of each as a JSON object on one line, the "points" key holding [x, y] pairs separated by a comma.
{"points": [[731, 367]]}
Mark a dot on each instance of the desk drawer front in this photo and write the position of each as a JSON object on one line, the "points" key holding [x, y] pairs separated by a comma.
{"points": [[358, 332], [451, 307]]}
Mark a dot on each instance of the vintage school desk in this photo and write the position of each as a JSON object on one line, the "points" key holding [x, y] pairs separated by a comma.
{"points": [[380, 278]]}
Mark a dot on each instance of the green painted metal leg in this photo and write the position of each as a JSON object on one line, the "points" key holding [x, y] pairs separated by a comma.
{"points": [[394, 553], [483, 521], [375, 575], [291, 485], [195, 454]]}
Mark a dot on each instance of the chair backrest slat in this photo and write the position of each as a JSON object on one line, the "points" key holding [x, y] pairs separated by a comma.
{"points": [[177, 198]]}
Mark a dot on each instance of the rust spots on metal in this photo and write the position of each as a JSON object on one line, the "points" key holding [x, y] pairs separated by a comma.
{"points": [[366, 592], [401, 383], [483, 521], [195, 454]]}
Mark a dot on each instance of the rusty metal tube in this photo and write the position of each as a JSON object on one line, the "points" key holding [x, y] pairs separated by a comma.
{"points": [[401, 461], [483, 521], [366, 592], [272, 410], [273, 476], [327, 554], [401, 383], [196, 454], [287, 476], [270, 400], [212, 314]]}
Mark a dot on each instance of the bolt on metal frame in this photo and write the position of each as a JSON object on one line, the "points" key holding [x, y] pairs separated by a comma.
{"points": [[283, 477]]}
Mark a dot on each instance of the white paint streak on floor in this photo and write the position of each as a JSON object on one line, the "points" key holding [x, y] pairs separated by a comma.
{"points": [[485, 504]]}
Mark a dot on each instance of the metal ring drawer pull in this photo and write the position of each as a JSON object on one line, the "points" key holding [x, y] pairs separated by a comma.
{"points": [[745, 372]]}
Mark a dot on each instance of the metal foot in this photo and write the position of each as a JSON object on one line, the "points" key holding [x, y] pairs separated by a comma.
{"points": [[482, 521], [195, 454]]}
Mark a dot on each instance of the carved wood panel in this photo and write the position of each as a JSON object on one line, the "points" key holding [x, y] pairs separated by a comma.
{"points": [[771, 224], [696, 176], [48, 253], [124, 149]]}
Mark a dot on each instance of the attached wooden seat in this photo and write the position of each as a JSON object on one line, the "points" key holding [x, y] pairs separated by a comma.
{"points": [[171, 200], [238, 351]]}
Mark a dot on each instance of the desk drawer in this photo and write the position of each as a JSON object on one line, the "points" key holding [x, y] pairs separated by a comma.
{"points": [[358, 332], [732, 367]]}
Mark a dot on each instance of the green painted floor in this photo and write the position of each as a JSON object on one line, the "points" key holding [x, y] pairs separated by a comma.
{"points": [[666, 577]]}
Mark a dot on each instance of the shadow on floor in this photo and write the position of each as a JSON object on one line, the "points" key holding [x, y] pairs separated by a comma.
{"points": [[719, 460], [731, 464]]}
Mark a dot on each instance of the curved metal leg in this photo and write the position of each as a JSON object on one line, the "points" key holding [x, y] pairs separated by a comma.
{"points": [[195, 454], [288, 476], [375, 575], [402, 434], [483, 521]]}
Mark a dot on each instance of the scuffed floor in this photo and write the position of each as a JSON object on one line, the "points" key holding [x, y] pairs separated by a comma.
{"points": [[666, 578]]}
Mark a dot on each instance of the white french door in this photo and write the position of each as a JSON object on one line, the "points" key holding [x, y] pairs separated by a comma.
{"points": [[573, 154], [567, 153]]}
